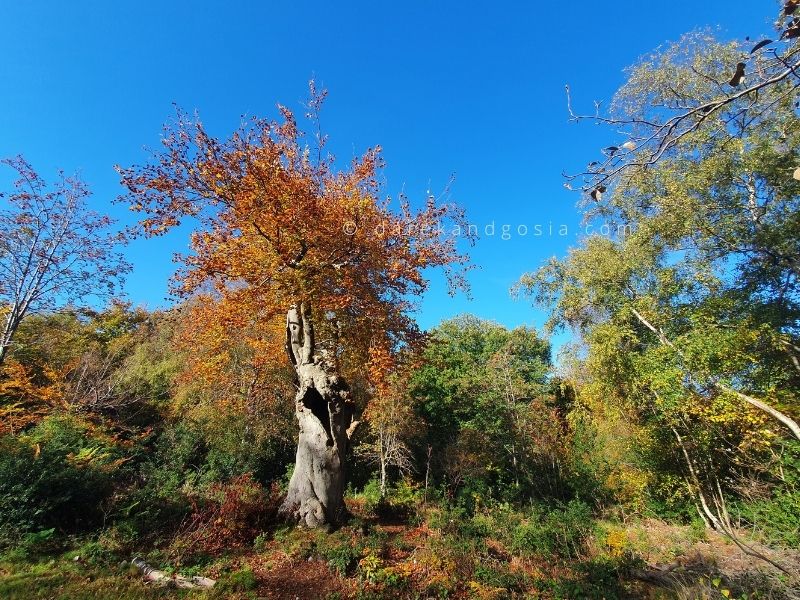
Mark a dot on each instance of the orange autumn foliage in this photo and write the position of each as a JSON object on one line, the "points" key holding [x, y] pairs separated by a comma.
{"points": [[221, 337], [23, 401], [232, 364], [279, 224]]}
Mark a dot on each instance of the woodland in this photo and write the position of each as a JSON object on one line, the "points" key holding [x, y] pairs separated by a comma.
{"points": [[285, 429]]}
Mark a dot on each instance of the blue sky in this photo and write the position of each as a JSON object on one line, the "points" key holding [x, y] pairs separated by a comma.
{"points": [[471, 89]]}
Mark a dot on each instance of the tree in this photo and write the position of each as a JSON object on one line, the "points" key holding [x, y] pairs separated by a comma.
{"points": [[83, 361], [287, 234], [679, 91], [392, 426], [479, 390], [53, 249], [736, 210], [690, 319]]}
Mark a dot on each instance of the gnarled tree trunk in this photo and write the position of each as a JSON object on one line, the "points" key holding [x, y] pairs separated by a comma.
{"points": [[324, 413]]}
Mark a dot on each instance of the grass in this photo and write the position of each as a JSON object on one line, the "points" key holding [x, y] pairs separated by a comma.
{"points": [[64, 579]]}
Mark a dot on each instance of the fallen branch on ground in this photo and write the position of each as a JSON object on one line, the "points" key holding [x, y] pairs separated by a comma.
{"points": [[156, 576]]}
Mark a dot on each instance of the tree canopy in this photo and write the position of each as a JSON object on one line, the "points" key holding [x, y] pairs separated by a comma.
{"points": [[281, 226]]}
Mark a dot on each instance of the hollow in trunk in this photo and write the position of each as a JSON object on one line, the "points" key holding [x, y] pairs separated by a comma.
{"points": [[324, 413]]}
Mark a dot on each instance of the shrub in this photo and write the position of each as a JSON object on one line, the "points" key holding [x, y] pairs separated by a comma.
{"points": [[261, 542], [298, 542], [96, 553], [593, 580], [160, 502], [32, 544], [228, 516], [369, 567], [149, 513], [340, 552], [447, 519], [396, 578], [57, 476], [560, 531], [399, 503], [778, 518], [370, 496]]}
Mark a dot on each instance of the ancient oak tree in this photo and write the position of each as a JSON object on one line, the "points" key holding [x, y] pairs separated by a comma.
{"points": [[287, 234]]}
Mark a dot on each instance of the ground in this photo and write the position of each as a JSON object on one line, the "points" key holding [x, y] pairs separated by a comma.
{"points": [[431, 557]]}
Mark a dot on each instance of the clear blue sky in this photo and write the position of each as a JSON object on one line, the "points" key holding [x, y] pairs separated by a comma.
{"points": [[475, 89]]}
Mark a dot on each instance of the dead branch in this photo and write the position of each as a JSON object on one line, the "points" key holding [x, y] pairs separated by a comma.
{"points": [[162, 578]]}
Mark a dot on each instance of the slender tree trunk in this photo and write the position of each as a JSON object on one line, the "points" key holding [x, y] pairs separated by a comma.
{"points": [[514, 463], [428, 470], [5, 337], [10, 326], [719, 518], [383, 475], [324, 413]]}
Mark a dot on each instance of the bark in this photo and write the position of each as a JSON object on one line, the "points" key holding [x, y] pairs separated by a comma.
{"points": [[9, 329], [324, 413], [719, 519], [428, 470], [13, 319], [383, 476]]}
